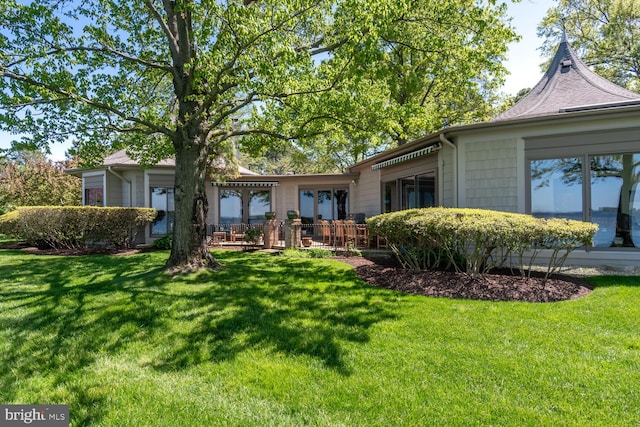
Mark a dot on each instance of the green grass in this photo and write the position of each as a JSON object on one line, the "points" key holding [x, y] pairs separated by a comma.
{"points": [[5, 239], [278, 341]]}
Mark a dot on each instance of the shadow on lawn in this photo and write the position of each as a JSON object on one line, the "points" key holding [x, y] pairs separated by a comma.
{"points": [[614, 281], [58, 330], [291, 306]]}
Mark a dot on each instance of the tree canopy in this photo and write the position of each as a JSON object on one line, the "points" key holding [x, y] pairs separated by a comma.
{"points": [[429, 66], [188, 78], [605, 33]]}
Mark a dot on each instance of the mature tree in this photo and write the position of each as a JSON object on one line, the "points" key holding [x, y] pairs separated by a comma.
{"points": [[28, 179], [431, 67], [606, 34], [187, 77]]}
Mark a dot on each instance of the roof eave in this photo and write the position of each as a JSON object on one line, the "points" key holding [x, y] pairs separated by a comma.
{"points": [[272, 177], [567, 115]]}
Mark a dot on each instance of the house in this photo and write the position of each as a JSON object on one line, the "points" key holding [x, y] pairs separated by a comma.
{"points": [[120, 181], [569, 148]]}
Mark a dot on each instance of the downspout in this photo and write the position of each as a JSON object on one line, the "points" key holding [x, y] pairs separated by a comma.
{"points": [[117, 175], [454, 167]]}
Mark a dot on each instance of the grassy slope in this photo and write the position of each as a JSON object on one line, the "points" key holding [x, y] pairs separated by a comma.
{"points": [[277, 341]]}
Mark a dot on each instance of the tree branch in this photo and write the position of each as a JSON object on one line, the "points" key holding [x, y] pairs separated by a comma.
{"points": [[86, 101], [173, 43]]}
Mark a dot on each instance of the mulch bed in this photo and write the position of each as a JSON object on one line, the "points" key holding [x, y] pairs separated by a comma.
{"points": [[72, 252], [498, 286], [385, 273]]}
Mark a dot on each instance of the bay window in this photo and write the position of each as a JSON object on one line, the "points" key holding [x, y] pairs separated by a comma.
{"points": [[599, 188]]}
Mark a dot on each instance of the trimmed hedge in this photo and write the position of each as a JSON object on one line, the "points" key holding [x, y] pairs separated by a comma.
{"points": [[476, 240], [73, 227]]}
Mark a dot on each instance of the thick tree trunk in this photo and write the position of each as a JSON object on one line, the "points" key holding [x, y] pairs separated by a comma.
{"points": [[189, 250]]}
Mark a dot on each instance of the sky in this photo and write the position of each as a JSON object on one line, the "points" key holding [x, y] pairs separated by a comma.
{"points": [[523, 59]]}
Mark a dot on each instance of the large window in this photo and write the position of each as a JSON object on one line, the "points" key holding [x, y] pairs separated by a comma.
{"points": [[162, 200], [327, 204], [418, 191], [556, 188], [230, 206], [615, 199], [605, 193], [259, 204], [244, 206]]}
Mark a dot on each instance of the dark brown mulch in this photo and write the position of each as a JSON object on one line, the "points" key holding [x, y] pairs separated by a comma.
{"points": [[498, 286], [73, 252]]}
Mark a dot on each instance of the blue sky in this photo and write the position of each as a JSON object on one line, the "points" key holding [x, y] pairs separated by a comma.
{"points": [[523, 59], [524, 56]]}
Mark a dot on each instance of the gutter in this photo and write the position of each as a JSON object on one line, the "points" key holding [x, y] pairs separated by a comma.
{"points": [[117, 175], [454, 167]]}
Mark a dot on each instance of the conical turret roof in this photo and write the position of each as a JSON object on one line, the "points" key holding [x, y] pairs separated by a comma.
{"points": [[569, 85]]}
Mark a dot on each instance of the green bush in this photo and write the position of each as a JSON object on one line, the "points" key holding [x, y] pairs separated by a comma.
{"points": [[252, 236], [476, 240], [76, 227], [307, 253], [9, 224], [165, 242]]}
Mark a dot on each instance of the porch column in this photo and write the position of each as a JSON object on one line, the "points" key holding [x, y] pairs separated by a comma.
{"points": [[292, 233]]}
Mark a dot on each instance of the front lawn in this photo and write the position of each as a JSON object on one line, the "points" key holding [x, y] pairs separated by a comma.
{"points": [[276, 341]]}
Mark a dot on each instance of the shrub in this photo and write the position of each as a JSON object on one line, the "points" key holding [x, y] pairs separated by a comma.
{"points": [[165, 242], [475, 240], [307, 253], [76, 227], [352, 250], [9, 224], [252, 236]]}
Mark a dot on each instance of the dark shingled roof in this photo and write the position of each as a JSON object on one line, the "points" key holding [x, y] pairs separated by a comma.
{"points": [[569, 85], [120, 158]]}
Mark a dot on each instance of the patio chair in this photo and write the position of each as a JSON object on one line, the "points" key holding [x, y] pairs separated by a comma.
{"points": [[217, 237], [350, 232], [359, 217], [325, 232], [338, 233], [363, 235], [381, 243], [235, 234]]}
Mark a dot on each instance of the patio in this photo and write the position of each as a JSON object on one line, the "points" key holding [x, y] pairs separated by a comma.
{"points": [[331, 235]]}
